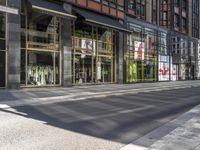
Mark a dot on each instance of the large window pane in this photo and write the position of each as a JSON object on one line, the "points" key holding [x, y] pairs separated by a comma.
{"points": [[2, 68], [2, 44], [43, 32], [40, 53], [2, 2], [141, 63], [2, 25], [40, 68], [23, 68], [93, 54]]}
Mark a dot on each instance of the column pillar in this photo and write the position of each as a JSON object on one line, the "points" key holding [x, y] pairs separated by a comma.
{"points": [[120, 58], [13, 45], [66, 45]]}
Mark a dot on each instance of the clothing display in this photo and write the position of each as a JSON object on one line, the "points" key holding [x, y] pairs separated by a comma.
{"points": [[131, 74], [81, 76], [41, 74]]}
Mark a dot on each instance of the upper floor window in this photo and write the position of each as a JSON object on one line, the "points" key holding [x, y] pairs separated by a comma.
{"points": [[154, 17], [184, 5], [131, 4], [176, 2], [113, 3], [165, 1], [184, 23], [165, 18], [176, 20], [194, 2], [120, 2], [137, 7], [140, 10]]}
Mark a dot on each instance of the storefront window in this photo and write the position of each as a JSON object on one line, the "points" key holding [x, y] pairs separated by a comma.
{"points": [[162, 46], [83, 61], [2, 47], [150, 63], [2, 25], [93, 54], [141, 57], [163, 68], [40, 68], [3, 2], [184, 56], [164, 63], [40, 54], [174, 71], [105, 53], [182, 71]]}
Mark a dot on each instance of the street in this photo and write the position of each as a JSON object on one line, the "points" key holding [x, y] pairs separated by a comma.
{"points": [[107, 122]]}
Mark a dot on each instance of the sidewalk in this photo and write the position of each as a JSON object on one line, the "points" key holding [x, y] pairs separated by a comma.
{"points": [[182, 133], [35, 96]]}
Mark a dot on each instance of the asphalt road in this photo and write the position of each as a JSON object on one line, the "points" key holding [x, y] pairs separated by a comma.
{"points": [[98, 123]]}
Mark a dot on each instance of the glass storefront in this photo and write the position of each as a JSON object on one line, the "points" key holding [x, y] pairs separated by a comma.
{"points": [[3, 51], [141, 60], [174, 72], [40, 49], [182, 72], [163, 68], [184, 54], [93, 54], [164, 60]]}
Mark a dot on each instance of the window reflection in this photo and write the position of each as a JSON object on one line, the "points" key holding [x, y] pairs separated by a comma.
{"points": [[93, 54], [40, 54]]}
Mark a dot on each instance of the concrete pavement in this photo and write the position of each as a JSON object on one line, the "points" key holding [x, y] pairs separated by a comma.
{"points": [[102, 117], [183, 133], [36, 96]]}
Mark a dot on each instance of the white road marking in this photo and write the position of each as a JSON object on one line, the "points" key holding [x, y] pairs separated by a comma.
{"points": [[135, 147], [4, 106]]}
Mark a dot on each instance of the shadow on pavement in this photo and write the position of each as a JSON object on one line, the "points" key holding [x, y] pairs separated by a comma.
{"points": [[118, 118]]}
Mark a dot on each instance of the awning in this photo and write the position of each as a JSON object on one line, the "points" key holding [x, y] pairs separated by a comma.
{"points": [[100, 19], [50, 7]]}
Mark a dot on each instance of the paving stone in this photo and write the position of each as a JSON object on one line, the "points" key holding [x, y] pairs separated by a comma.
{"points": [[197, 147]]}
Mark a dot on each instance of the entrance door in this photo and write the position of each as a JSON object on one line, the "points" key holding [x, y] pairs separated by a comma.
{"points": [[83, 69], [2, 68]]}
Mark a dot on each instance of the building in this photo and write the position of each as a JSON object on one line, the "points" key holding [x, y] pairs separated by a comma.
{"points": [[182, 18], [75, 42]]}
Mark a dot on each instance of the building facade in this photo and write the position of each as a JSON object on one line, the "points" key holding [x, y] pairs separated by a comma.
{"points": [[80, 42]]}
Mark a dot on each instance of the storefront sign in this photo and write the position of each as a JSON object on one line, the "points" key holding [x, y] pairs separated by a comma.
{"points": [[139, 50], [163, 70], [88, 44], [9, 10], [174, 72]]}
